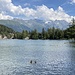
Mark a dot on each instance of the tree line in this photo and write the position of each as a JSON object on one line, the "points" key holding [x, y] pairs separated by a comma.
{"points": [[69, 33], [51, 33]]}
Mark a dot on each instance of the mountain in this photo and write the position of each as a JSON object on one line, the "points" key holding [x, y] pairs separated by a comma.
{"points": [[20, 24], [39, 24], [61, 24], [15, 25], [33, 24]]}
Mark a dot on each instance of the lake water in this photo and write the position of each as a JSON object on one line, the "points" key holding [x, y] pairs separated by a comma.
{"points": [[53, 57]]}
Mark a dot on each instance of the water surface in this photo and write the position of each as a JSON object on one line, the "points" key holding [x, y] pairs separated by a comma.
{"points": [[53, 57]]}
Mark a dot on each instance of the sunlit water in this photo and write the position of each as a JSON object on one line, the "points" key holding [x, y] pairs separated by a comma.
{"points": [[53, 57]]}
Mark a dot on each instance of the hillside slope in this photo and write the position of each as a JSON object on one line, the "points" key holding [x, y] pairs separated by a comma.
{"points": [[20, 24]]}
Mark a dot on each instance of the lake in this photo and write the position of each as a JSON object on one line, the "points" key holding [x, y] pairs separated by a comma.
{"points": [[53, 57]]}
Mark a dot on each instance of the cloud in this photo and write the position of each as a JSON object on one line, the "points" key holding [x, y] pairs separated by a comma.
{"points": [[51, 14], [7, 1], [9, 7], [5, 17], [41, 12], [26, 4], [73, 1]]}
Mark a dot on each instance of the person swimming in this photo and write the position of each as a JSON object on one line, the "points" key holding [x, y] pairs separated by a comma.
{"points": [[35, 62], [32, 62]]}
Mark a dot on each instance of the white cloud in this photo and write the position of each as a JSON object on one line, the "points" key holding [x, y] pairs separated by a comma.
{"points": [[2, 16], [26, 4], [7, 1], [15, 10], [73, 1], [41, 12], [51, 14]]}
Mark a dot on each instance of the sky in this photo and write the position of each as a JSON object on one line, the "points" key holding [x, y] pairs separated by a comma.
{"points": [[38, 9]]}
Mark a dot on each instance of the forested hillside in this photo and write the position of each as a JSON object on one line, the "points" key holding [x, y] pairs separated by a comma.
{"points": [[70, 32], [50, 33], [5, 32]]}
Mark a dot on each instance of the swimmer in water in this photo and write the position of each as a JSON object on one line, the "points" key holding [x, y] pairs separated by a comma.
{"points": [[31, 61]]}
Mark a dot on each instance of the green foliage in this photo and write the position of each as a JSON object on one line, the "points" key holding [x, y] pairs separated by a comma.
{"points": [[34, 34], [70, 32], [51, 33], [43, 34], [5, 31], [24, 34], [17, 35]]}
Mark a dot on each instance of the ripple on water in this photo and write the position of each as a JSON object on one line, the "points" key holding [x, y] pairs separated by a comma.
{"points": [[10, 68], [53, 58]]}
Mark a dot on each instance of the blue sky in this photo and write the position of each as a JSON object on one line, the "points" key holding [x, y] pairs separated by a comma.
{"points": [[38, 9]]}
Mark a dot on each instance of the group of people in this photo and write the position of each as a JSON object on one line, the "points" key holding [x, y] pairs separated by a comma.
{"points": [[32, 62]]}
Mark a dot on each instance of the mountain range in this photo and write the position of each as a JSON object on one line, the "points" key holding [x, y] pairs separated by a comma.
{"points": [[20, 24]]}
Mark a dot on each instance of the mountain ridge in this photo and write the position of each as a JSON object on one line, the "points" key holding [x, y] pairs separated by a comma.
{"points": [[19, 24]]}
